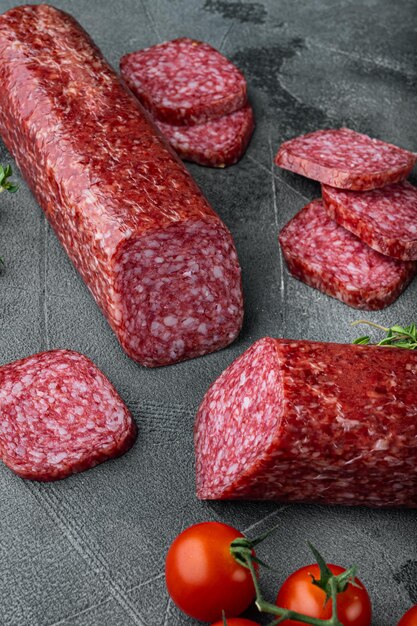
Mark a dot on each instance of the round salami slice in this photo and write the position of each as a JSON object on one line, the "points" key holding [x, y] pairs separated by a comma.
{"points": [[59, 415], [305, 421], [346, 159], [184, 81], [328, 257], [385, 219], [216, 143]]}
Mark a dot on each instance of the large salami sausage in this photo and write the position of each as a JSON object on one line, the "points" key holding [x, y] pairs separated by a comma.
{"points": [[59, 415], [314, 422], [158, 260]]}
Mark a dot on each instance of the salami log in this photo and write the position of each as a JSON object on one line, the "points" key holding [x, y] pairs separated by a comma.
{"points": [[385, 219], [184, 81], [346, 159], [302, 421], [216, 143], [328, 257], [158, 260], [59, 415]]}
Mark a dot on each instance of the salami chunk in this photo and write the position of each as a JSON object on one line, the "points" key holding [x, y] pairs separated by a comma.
{"points": [[184, 81], [346, 159], [328, 257], [216, 143], [158, 260], [302, 421], [59, 415], [385, 219]]}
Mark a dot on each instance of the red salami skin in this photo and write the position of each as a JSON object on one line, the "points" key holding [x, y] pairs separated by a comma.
{"points": [[184, 81], [345, 159], [385, 219], [158, 260], [59, 415], [217, 143], [331, 259], [302, 421]]}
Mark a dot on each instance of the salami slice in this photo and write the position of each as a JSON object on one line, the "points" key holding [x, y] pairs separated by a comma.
{"points": [[328, 257], [158, 260], [216, 143], [313, 422], [184, 81], [346, 159], [59, 415], [385, 219]]}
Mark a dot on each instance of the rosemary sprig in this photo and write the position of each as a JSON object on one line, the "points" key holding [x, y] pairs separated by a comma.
{"points": [[396, 336], [5, 184]]}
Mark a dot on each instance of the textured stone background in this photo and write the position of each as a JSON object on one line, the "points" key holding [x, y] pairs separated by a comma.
{"points": [[89, 551]]}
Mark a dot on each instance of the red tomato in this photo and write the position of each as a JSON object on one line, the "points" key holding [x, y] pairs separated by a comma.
{"points": [[299, 594], [203, 578], [410, 618], [237, 621]]}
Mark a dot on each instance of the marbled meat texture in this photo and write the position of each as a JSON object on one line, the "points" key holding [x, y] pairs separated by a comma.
{"points": [[302, 421], [331, 259], [59, 415], [385, 219], [158, 260], [184, 81], [345, 159], [216, 143]]}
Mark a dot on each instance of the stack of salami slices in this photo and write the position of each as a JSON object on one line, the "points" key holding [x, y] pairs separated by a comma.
{"points": [[197, 98], [359, 242]]}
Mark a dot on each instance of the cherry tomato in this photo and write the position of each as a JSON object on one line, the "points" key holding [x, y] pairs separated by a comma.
{"points": [[203, 578], [410, 618], [237, 621], [299, 594]]}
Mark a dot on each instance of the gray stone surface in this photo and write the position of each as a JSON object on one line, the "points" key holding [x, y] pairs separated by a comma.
{"points": [[89, 551]]}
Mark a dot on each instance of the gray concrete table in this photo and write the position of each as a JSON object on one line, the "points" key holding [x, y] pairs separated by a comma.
{"points": [[89, 551]]}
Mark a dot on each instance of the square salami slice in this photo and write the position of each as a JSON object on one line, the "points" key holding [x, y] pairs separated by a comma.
{"points": [[345, 159], [59, 415], [331, 259], [184, 81], [385, 219], [216, 143], [305, 421]]}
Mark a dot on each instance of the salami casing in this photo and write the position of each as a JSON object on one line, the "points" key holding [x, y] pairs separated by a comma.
{"points": [[313, 422], [346, 159], [216, 143], [59, 415], [385, 219], [158, 260], [328, 257], [184, 81]]}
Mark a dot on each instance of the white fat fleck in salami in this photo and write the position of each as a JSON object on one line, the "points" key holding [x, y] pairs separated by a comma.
{"points": [[345, 159], [59, 415], [184, 81], [385, 219], [113, 190], [328, 257], [216, 143], [301, 421]]}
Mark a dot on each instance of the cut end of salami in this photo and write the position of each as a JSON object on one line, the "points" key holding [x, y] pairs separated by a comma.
{"points": [[184, 81], [331, 259], [302, 421], [59, 415], [181, 292], [346, 159], [385, 219], [217, 143]]}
